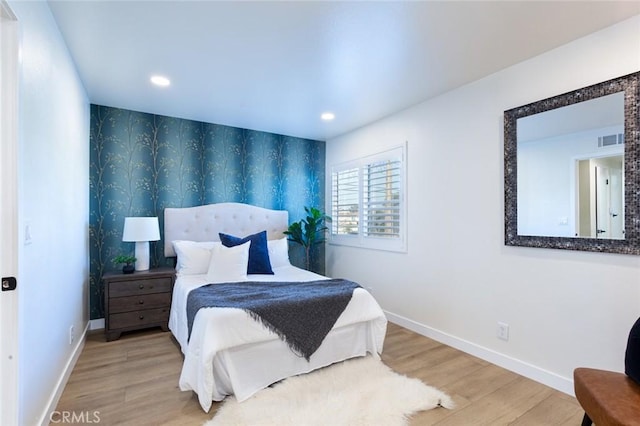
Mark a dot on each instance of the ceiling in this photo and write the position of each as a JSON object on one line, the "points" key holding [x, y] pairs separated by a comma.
{"points": [[276, 66]]}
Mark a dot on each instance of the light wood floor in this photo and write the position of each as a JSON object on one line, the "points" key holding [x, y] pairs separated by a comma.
{"points": [[133, 381]]}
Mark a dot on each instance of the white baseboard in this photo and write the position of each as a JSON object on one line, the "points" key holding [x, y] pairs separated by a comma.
{"points": [[45, 420], [96, 324], [562, 384]]}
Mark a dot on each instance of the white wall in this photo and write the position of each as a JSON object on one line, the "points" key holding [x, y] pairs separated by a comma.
{"points": [[54, 202], [546, 180], [564, 308]]}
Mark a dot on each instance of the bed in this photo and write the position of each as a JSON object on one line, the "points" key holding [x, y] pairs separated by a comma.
{"points": [[226, 352]]}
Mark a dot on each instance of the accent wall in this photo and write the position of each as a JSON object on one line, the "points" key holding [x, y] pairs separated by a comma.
{"points": [[141, 163]]}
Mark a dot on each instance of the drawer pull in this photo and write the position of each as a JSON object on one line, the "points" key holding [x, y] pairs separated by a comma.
{"points": [[141, 317], [141, 286], [141, 302]]}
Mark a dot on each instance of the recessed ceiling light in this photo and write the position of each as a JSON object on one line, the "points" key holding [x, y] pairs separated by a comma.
{"points": [[159, 80], [327, 116]]}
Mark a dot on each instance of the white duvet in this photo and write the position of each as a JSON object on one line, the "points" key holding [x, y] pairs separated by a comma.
{"points": [[231, 354]]}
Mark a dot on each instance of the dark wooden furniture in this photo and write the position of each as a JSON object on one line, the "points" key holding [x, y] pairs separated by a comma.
{"points": [[136, 301]]}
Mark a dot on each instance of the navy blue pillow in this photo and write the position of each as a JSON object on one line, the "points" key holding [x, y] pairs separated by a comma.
{"points": [[259, 262], [632, 355]]}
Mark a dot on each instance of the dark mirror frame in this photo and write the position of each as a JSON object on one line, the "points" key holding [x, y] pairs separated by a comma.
{"points": [[631, 243]]}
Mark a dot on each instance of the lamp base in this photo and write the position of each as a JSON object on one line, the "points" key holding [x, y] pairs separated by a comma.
{"points": [[142, 255]]}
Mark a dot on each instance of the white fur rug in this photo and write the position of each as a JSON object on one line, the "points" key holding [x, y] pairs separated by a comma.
{"points": [[361, 391]]}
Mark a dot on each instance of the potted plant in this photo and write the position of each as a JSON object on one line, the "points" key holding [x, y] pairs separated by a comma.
{"points": [[309, 231], [128, 261]]}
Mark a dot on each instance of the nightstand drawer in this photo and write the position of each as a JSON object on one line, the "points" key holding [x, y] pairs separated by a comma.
{"points": [[138, 318], [140, 286], [143, 301]]}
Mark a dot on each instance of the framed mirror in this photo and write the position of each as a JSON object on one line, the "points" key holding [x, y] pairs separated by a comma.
{"points": [[572, 170]]}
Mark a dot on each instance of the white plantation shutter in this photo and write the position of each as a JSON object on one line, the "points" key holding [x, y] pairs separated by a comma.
{"points": [[381, 199], [345, 199], [368, 201]]}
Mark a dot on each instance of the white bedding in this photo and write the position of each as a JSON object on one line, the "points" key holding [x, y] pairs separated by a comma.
{"points": [[231, 354]]}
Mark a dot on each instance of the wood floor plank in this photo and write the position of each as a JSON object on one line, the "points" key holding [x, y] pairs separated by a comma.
{"points": [[553, 410], [502, 406], [134, 381], [481, 382]]}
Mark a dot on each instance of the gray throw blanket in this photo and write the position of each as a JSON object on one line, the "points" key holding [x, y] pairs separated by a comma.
{"points": [[300, 313]]}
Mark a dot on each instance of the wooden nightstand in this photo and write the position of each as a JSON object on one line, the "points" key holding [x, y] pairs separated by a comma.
{"points": [[136, 301]]}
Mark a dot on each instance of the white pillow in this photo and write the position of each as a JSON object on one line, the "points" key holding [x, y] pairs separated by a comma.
{"points": [[228, 264], [193, 256], [278, 252]]}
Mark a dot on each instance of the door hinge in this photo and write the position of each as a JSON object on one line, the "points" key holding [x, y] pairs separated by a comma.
{"points": [[9, 283]]}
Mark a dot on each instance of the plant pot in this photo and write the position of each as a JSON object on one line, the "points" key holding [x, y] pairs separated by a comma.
{"points": [[128, 269]]}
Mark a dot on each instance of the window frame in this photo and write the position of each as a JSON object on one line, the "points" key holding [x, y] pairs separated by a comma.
{"points": [[359, 239]]}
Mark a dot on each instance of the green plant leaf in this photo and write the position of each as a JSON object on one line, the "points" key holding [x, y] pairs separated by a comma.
{"points": [[123, 258], [309, 231]]}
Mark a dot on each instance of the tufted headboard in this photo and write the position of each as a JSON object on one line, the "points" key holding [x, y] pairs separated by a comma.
{"points": [[203, 223]]}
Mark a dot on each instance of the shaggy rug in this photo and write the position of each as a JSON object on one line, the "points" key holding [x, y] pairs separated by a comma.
{"points": [[361, 391]]}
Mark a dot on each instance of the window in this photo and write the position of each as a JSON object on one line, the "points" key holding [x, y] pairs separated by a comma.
{"points": [[368, 201]]}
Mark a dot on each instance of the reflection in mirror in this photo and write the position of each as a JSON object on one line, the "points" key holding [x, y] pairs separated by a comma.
{"points": [[599, 200], [572, 170]]}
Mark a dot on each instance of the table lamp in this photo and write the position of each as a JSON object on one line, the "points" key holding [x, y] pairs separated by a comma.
{"points": [[141, 230]]}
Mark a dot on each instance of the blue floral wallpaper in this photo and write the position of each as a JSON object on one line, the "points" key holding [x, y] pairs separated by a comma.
{"points": [[141, 163]]}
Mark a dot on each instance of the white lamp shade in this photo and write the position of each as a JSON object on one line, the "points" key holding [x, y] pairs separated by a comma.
{"points": [[141, 229]]}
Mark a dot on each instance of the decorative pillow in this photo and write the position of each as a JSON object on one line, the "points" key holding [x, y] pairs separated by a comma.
{"points": [[279, 252], [259, 262], [193, 257], [632, 355], [228, 264]]}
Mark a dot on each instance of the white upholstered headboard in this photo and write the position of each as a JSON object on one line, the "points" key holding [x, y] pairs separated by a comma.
{"points": [[203, 223]]}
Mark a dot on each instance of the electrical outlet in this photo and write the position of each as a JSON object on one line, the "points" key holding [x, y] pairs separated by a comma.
{"points": [[72, 335], [502, 331]]}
